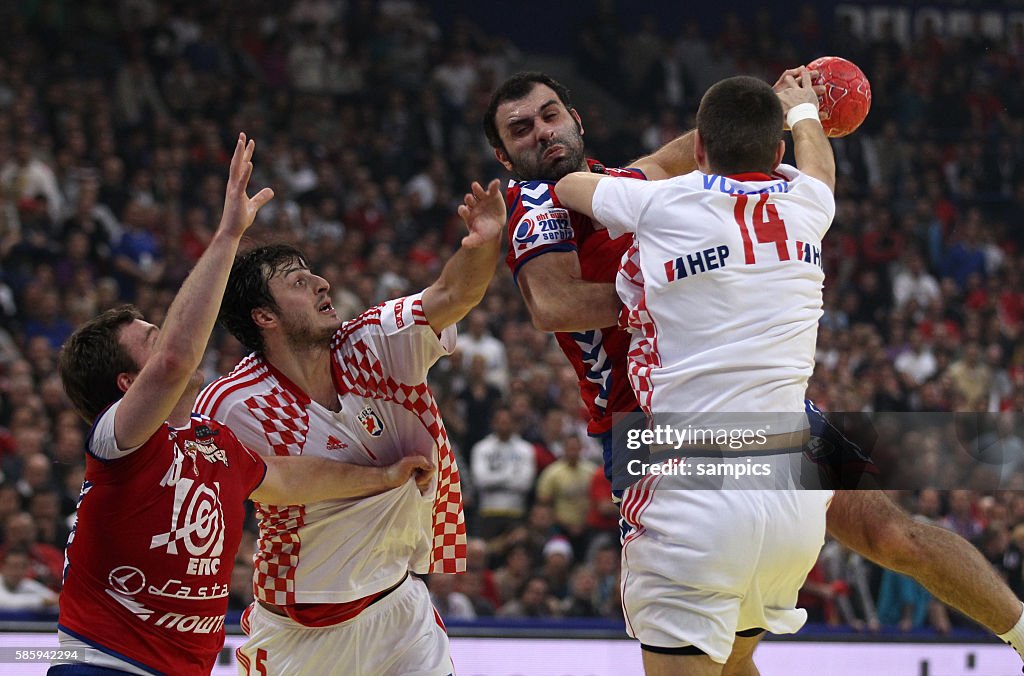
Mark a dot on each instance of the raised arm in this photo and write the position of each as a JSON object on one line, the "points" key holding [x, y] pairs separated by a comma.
{"points": [[301, 480], [465, 276], [179, 346], [810, 145]]}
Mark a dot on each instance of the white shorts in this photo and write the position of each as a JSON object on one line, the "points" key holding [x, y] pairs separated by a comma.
{"points": [[702, 565], [399, 635]]}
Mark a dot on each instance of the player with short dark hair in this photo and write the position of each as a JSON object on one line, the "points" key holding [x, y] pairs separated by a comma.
{"points": [[568, 283], [726, 322]]}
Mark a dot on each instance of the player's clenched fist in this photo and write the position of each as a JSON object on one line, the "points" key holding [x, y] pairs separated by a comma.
{"points": [[415, 466]]}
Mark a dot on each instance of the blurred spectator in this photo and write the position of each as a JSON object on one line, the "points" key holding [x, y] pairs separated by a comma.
{"points": [[533, 600], [477, 341], [565, 485], [503, 473], [557, 562], [971, 377], [913, 283], [840, 565], [513, 575], [961, 518], [449, 603], [30, 183], [582, 592], [18, 592], [45, 562], [917, 363]]}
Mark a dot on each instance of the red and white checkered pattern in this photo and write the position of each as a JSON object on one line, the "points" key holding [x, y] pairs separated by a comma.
{"points": [[284, 420], [277, 558], [643, 354], [366, 378]]}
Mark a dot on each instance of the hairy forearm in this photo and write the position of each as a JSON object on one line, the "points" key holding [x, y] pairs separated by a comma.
{"points": [[574, 306], [301, 480], [462, 284], [813, 152], [191, 317]]}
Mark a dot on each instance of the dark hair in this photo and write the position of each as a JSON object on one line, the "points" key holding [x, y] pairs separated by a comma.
{"points": [[516, 87], [93, 357], [740, 122], [249, 288]]}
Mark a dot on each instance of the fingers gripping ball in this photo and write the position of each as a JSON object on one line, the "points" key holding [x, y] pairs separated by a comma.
{"points": [[847, 97]]}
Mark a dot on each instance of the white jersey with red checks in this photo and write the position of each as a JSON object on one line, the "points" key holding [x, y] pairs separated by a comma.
{"points": [[338, 551], [726, 296]]}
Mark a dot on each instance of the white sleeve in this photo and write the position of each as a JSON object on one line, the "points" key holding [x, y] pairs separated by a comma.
{"points": [[405, 339], [819, 197], [101, 442], [619, 204]]}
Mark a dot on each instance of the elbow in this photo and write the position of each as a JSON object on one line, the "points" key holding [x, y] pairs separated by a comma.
{"points": [[173, 365], [545, 321]]}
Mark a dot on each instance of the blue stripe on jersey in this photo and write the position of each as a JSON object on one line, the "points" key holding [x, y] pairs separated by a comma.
{"points": [[520, 262], [97, 646]]}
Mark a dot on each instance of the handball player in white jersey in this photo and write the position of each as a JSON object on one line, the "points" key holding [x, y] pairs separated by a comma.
{"points": [[333, 589], [727, 322]]}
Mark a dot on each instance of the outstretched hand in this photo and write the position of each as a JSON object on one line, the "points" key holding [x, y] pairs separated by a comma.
{"points": [[240, 209], [483, 213]]}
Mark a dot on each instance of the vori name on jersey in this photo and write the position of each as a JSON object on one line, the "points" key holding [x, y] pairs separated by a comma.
{"points": [[542, 226], [723, 184]]}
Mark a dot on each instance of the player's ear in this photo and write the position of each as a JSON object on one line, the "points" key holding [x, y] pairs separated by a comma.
{"points": [[779, 152], [263, 318], [125, 380], [579, 120], [502, 156], [700, 151]]}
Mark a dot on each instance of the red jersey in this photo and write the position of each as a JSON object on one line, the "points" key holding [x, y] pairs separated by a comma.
{"points": [[149, 560], [539, 224]]}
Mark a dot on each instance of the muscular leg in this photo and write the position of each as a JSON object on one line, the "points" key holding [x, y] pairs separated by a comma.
{"points": [[658, 664], [948, 566], [741, 659]]}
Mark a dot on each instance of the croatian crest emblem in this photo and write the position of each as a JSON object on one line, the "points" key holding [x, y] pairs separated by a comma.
{"points": [[371, 422]]}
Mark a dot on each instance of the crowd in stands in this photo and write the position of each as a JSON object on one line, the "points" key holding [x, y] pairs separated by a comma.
{"points": [[116, 120]]}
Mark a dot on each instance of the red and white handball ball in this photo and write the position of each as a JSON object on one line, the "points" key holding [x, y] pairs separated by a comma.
{"points": [[847, 97]]}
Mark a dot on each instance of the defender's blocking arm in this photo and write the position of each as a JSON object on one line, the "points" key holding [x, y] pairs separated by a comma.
{"points": [[465, 276]]}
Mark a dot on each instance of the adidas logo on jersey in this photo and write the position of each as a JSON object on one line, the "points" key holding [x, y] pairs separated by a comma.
{"points": [[335, 444]]}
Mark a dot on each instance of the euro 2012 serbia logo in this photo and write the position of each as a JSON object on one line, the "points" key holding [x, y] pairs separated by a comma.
{"points": [[525, 235]]}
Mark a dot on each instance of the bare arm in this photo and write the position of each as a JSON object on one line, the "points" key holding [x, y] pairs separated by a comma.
{"points": [[465, 276], [560, 300], [675, 158], [576, 191], [301, 480], [813, 151], [180, 345]]}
